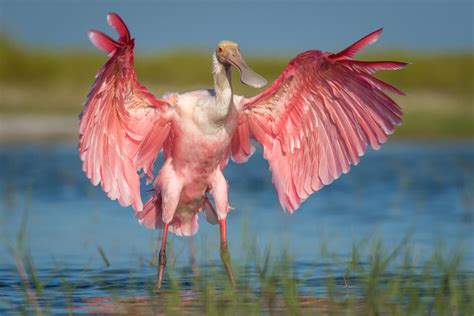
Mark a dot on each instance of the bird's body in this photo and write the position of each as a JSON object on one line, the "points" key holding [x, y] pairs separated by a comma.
{"points": [[313, 123], [195, 155]]}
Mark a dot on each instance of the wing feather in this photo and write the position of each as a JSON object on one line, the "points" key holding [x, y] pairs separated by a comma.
{"points": [[317, 119], [123, 126]]}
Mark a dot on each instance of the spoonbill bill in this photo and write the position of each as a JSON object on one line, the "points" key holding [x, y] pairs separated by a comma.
{"points": [[313, 122]]}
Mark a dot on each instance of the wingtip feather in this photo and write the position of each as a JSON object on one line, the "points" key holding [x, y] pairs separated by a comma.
{"points": [[378, 31], [116, 22], [102, 41], [365, 41]]}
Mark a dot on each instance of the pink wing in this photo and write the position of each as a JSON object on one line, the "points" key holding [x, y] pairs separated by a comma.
{"points": [[317, 118], [120, 119]]}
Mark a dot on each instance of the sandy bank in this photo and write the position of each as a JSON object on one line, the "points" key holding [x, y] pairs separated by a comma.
{"points": [[14, 128]]}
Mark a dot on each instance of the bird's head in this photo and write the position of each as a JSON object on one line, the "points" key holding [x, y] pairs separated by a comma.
{"points": [[228, 53]]}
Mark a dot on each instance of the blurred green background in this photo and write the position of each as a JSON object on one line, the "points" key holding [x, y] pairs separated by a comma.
{"points": [[45, 73]]}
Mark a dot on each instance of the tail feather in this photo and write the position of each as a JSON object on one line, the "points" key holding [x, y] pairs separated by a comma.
{"points": [[185, 227], [350, 51], [151, 218]]}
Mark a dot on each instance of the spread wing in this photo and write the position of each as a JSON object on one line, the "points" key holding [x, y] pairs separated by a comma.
{"points": [[317, 118], [120, 119]]}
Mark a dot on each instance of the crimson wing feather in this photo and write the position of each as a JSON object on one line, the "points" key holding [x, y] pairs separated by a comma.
{"points": [[317, 119], [119, 118]]}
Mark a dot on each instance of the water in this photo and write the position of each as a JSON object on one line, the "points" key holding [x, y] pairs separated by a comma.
{"points": [[423, 191]]}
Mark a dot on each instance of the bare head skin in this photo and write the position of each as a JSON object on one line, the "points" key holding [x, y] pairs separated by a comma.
{"points": [[228, 53]]}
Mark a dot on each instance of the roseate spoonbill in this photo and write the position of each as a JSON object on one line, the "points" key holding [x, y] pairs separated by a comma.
{"points": [[313, 122]]}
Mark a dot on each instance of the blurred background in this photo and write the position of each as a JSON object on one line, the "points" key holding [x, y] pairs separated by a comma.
{"points": [[48, 64], [419, 184]]}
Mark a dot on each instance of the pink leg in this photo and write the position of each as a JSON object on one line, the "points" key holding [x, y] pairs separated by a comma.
{"points": [[219, 193], [162, 256], [170, 186], [225, 255]]}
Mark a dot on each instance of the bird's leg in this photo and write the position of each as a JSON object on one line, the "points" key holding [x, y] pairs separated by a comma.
{"points": [[162, 255], [225, 255], [194, 265]]}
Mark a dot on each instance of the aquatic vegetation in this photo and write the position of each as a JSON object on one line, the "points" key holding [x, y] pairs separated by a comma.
{"points": [[443, 71], [374, 279], [438, 84]]}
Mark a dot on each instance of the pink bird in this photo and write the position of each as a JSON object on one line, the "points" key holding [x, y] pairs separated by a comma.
{"points": [[313, 123]]}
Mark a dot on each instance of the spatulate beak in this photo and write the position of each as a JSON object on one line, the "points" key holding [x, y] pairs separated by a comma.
{"points": [[247, 75]]}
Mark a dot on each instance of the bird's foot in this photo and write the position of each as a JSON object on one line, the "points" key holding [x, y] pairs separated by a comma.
{"points": [[225, 257]]}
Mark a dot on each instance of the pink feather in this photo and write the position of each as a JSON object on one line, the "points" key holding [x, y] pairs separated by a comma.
{"points": [[314, 122], [118, 115], [103, 41], [117, 23], [350, 51], [317, 118]]}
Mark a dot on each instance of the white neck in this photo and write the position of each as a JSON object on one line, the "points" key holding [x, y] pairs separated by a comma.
{"points": [[222, 87]]}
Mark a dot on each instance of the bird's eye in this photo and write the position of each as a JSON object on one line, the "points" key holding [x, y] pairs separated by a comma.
{"points": [[220, 50]]}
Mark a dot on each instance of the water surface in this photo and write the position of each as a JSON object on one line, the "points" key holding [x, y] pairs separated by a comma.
{"points": [[423, 191]]}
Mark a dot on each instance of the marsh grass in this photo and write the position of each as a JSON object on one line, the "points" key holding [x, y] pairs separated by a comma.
{"points": [[442, 71], [41, 82], [374, 279]]}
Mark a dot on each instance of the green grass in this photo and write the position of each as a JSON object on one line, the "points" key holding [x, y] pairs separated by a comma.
{"points": [[41, 82], [447, 72], [386, 282], [374, 279]]}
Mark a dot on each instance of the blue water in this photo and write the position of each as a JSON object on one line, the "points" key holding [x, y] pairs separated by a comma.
{"points": [[423, 191]]}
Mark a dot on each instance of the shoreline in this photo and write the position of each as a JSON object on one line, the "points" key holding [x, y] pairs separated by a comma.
{"points": [[26, 128], [29, 127]]}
